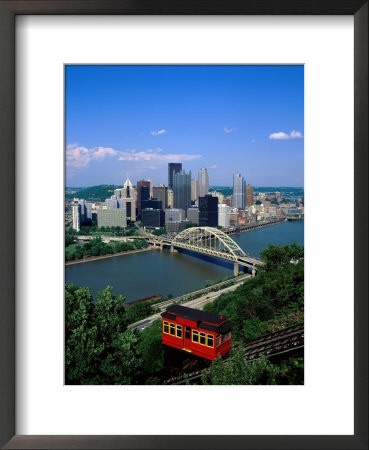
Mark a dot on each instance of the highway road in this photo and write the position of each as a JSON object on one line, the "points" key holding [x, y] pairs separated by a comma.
{"points": [[197, 303]]}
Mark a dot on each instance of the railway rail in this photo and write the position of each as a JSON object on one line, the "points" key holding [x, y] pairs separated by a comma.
{"points": [[273, 344]]}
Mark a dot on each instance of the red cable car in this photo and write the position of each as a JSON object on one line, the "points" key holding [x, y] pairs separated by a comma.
{"points": [[198, 332]]}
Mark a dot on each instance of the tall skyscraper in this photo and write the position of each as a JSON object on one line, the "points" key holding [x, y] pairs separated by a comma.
{"points": [[173, 168], [82, 204], [249, 195], [76, 216], [208, 211], [128, 195], [194, 190], [161, 193], [238, 191], [182, 190], [170, 198], [143, 193], [203, 182]]}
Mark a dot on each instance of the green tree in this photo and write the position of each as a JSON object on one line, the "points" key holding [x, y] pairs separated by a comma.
{"points": [[70, 238], [80, 335], [123, 362], [237, 370], [159, 232], [137, 311], [151, 348]]}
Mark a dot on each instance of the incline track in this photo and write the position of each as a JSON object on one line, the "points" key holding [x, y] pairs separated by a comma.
{"points": [[284, 341]]}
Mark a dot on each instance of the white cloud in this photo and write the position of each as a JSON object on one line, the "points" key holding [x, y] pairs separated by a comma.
{"points": [[157, 133], [213, 166], [282, 135], [295, 134], [229, 130], [80, 156], [154, 155], [279, 135]]}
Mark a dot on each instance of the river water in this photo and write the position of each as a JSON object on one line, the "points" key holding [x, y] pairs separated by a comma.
{"points": [[141, 275]]}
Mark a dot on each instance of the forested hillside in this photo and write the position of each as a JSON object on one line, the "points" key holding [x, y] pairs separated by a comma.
{"points": [[93, 193]]}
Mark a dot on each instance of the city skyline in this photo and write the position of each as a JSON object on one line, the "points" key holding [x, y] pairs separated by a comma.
{"points": [[134, 120]]}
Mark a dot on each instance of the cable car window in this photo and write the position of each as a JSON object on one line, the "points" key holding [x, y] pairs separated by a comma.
{"points": [[188, 333], [166, 327], [172, 329], [202, 339], [179, 331], [223, 338], [218, 342], [210, 341], [195, 336]]}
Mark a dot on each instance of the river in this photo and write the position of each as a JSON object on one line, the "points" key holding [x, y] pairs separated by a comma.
{"points": [[145, 274]]}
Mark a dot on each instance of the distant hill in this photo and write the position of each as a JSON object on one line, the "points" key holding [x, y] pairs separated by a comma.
{"points": [[225, 190], [285, 190], [93, 193]]}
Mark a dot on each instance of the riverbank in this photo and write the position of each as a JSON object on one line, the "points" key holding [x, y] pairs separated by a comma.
{"points": [[256, 225], [110, 255]]}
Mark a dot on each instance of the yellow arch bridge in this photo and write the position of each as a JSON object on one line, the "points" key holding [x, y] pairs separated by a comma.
{"points": [[208, 241]]}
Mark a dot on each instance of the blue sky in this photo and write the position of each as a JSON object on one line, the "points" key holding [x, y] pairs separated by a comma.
{"points": [[135, 119]]}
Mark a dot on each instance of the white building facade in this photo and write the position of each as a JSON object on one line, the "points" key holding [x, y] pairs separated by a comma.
{"points": [[203, 182], [224, 212]]}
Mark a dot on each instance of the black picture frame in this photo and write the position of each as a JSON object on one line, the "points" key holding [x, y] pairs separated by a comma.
{"points": [[8, 12]]}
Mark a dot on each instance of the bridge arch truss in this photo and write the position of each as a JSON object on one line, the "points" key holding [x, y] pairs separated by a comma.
{"points": [[210, 241]]}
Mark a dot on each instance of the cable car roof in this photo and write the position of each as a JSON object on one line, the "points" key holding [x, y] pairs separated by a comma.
{"points": [[205, 320]]}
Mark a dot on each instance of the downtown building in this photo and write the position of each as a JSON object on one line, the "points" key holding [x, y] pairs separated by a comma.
{"points": [[76, 216], [182, 190], [143, 193], [193, 215], [224, 213], [172, 169], [249, 195], [208, 211], [128, 194], [86, 212], [203, 182], [194, 190], [114, 217], [238, 191], [114, 202], [151, 203], [174, 215], [152, 218], [161, 193]]}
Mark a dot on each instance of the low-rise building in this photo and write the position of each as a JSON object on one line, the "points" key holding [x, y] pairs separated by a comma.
{"points": [[174, 215], [193, 215], [152, 218], [176, 227], [115, 217]]}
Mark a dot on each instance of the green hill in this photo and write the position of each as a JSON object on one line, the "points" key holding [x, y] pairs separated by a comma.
{"points": [[93, 193]]}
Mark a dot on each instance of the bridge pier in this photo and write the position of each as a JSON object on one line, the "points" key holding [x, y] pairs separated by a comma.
{"points": [[171, 249], [253, 272], [235, 269]]}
